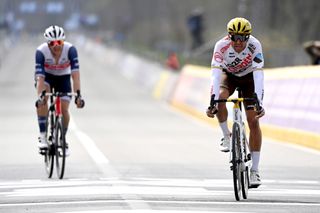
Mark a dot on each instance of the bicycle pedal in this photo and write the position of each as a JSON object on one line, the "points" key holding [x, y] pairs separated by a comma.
{"points": [[253, 186], [42, 151]]}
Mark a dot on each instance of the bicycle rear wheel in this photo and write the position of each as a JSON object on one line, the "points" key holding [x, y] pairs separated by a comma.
{"points": [[60, 148], [49, 153], [235, 160]]}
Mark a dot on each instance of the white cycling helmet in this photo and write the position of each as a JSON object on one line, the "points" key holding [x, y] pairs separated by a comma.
{"points": [[54, 33]]}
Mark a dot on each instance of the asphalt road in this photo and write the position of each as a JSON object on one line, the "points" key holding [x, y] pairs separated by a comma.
{"points": [[131, 153]]}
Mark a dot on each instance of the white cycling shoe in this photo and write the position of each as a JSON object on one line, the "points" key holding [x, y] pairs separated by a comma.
{"points": [[255, 180], [225, 144], [67, 153], [67, 150], [42, 142]]}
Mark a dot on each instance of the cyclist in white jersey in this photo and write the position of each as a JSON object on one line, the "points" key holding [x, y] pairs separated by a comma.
{"points": [[237, 62], [56, 63]]}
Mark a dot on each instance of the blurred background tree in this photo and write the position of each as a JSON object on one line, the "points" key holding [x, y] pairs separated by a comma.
{"points": [[153, 28]]}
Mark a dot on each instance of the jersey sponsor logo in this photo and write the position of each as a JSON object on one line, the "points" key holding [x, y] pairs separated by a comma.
{"points": [[252, 48], [231, 55], [57, 66], [225, 48], [218, 57], [258, 58], [240, 64]]}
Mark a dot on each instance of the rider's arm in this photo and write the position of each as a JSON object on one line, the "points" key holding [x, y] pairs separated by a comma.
{"points": [[216, 77], [258, 78], [216, 69], [74, 63], [39, 72]]}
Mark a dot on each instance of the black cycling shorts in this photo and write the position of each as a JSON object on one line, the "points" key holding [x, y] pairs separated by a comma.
{"points": [[59, 83], [245, 83]]}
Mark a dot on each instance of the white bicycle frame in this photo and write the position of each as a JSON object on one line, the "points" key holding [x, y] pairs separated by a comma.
{"points": [[237, 118]]}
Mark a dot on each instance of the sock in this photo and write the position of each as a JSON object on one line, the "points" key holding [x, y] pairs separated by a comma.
{"points": [[255, 161], [42, 123], [225, 129]]}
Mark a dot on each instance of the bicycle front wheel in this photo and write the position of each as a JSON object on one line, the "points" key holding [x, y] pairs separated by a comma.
{"points": [[49, 153], [60, 148], [245, 183], [235, 160]]}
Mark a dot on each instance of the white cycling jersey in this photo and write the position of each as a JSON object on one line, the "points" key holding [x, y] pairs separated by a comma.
{"points": [[239, 64], [45, 62]]}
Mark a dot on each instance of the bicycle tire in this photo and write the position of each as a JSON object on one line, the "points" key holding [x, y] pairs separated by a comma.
{"points": [[245, 173], [236, 152], [49, 153], [245, 183], [60, 148]]}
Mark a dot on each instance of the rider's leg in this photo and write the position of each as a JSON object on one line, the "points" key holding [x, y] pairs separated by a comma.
{"points": [[66, 117], [42, 111], [222, 114], [42, 118], [255, 138], [65, 112]]}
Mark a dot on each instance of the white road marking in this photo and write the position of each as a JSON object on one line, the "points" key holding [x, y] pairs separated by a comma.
{"points": [[203, 190], [89, 144], [149, 186], [149, 211], [102, 162], [184, 202], [176, 182]]}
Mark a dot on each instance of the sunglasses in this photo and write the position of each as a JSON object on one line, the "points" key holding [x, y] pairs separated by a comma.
{"points": [[236, 37], [55, 43]]}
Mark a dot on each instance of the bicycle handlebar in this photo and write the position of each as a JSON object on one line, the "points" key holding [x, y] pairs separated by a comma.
{"points": [[58, 94], [234, 100]]}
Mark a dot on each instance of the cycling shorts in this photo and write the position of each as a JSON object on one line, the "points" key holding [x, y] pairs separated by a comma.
{"points": [[245, 83], [59, 83]]}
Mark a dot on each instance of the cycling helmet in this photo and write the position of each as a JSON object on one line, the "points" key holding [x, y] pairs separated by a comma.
{"points": [[239, 26], [54, 33]]}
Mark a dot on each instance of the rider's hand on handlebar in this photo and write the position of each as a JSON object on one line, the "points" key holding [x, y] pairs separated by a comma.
{"points": [[260, 112], [41, 99], [211, 111], [40, 102], [79, 100]]}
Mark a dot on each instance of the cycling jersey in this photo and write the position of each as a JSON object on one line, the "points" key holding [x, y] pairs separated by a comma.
{"points": [[239, 64], [226, 59], [45, 62]]}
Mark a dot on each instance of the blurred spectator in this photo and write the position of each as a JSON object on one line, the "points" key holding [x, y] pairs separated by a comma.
{"points": [[173, 61], [313, 49], [195, 26]]}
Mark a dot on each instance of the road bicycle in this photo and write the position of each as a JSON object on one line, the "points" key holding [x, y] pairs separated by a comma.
{"points": [[55, 135], [240, 157]]}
